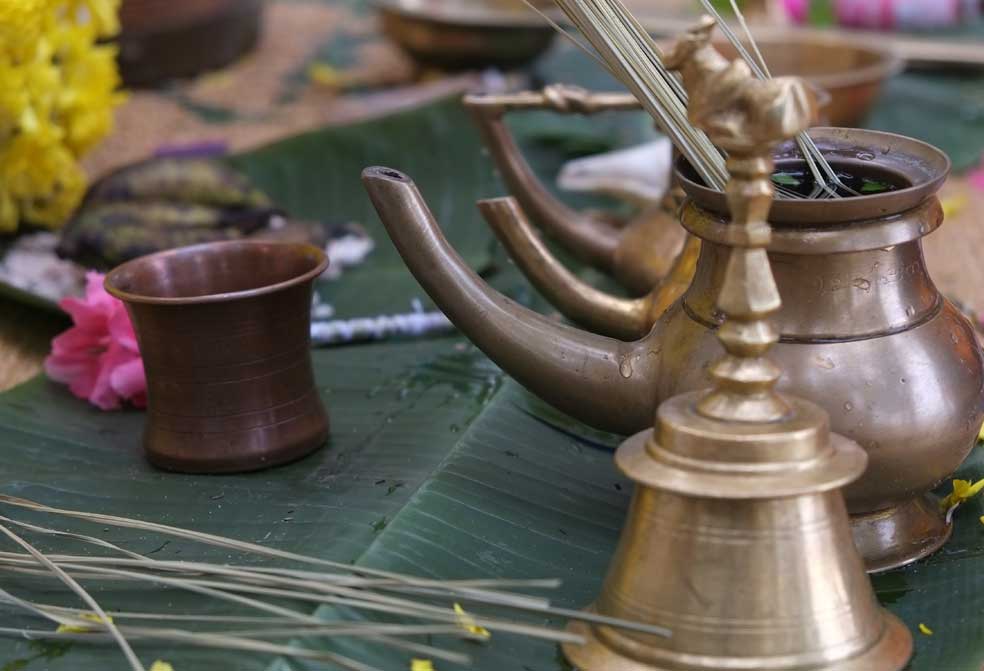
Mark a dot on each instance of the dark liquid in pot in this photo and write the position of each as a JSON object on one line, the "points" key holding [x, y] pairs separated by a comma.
{"points": [[863, 180], [868, 182]]}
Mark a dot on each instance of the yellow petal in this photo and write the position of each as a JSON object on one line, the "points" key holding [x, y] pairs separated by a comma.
{"points": [[325, 75], [59, 85], [161, 666], [79, 629], [953, 205], [926, 631], [9, 213], [974, 489], [980, 434], [467, 622], [947, 502], [105, 16], [962, 490], [415, 665], [982, 519]]}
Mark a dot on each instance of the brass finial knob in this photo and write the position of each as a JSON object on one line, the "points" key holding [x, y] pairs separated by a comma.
{"points": [[747, 117]]}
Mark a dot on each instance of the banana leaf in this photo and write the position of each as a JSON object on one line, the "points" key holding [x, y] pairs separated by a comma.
{"points": [[438, 464]]}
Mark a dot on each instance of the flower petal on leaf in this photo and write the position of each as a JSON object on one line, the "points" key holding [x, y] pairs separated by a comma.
{"points": [[467, 622]]}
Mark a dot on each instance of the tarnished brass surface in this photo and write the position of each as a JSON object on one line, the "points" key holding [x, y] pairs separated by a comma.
{"points": [[624, 318], [737, 541], [225, 334], [639, 252], [737, 538], [889, 538], [562, 364]]}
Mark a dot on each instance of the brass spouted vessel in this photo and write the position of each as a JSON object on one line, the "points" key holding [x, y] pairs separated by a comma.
{"points": [[737, 538], [864, 332], [639, 252]]}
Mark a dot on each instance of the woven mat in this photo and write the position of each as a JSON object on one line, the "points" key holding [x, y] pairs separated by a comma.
{"points": [[269, 96]]}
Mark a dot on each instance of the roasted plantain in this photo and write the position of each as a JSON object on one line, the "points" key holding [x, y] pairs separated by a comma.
{"points": [[103, 235], [162, 204], [201, 181]]}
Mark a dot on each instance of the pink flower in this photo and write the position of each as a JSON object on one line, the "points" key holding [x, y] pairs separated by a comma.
{"points": [[878, 14], [99, 358], [976, 177], [797, 10]]}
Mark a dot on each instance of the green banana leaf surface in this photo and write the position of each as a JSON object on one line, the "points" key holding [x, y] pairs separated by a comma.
{"points": [[438, 464]]}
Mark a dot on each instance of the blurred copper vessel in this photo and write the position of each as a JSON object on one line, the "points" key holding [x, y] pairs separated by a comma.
{"points": [[864, 331], [163, 40], [466, 34], [224, 332], [851, 71]]}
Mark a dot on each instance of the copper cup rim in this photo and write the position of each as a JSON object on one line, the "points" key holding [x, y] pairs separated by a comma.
{"points": [[128, 297]]}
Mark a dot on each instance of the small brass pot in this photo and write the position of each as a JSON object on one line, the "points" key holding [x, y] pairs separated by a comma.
{"points": [[865, 332], [224, 331]]}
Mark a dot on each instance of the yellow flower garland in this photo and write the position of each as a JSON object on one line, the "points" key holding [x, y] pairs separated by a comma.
{"points": [[58, 88]]}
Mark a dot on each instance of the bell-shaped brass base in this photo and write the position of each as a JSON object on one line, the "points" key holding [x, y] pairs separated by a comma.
{"points": [[890, 652], [902, 534], [738, 542]]}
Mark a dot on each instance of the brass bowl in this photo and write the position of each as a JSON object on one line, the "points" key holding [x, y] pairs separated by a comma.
{"points": [[465, 34], [851, 72]]}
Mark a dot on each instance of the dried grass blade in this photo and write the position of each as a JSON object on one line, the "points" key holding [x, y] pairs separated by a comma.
{"points": [[217, 641], [207, 539], [70, 582], [232, 592]]}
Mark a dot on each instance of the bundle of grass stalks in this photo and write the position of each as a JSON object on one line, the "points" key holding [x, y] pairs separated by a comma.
{"points": [[623, 46], [267, 602]]}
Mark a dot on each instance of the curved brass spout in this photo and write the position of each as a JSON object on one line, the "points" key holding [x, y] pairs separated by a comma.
{"points": [[648, 255], [623, 318], [593, 239], [604, 382]]}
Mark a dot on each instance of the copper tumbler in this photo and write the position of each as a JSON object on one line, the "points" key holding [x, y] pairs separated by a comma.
{"points": [[224, 331]]}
